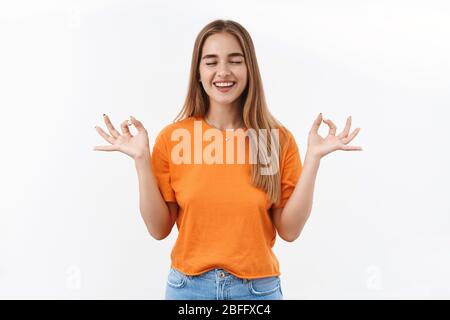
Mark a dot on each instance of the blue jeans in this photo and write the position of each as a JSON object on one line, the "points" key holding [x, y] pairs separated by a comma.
{"points": [[218, 284]]}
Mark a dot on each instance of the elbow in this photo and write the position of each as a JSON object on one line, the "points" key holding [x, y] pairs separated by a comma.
{"points": [[290, 235], [158, 237], [158, 231], [289, 238], [292, 231]]}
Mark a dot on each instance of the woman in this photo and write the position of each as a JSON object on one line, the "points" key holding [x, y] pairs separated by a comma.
{"points": [[227, 184]]}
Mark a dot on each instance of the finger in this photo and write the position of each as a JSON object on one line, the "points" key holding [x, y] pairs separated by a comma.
{"points": [[105, 136], [106, 148], [316, 124], [332, 126], [351, 136], [351, 148], [346, 130], [110, 127], [137, 124], [125, 129]]}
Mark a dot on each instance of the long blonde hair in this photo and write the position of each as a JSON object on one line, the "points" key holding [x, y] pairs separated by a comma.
{"points": [[255, 112]]}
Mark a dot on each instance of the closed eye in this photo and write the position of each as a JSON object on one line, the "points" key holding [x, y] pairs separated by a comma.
{"points": [[213, 63]]}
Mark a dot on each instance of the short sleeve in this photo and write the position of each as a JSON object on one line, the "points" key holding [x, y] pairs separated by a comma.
{"points": [[291, 168], [161, 168]]}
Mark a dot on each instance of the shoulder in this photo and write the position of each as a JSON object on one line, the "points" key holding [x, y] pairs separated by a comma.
{"points": [[286, 138], [285, 133]]}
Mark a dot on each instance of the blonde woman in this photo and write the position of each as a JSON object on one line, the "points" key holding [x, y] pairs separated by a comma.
{"points": [[227, 211]]}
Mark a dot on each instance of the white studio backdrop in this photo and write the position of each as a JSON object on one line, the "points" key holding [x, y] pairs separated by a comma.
{"points": [[70, 226]]}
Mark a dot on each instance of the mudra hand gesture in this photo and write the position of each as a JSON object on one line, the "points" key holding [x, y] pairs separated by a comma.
{"points": [[133, 146], [319, 146]]}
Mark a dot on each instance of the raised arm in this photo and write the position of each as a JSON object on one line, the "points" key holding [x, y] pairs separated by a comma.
{"points": [[290, 220], [159, 216]]}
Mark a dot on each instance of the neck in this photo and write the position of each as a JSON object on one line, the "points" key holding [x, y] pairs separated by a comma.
{"points": [[225, 116]]}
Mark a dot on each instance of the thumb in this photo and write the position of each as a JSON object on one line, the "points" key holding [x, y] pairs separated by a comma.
{"points": [[105, 148]]}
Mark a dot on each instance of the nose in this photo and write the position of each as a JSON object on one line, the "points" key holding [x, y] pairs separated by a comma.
{"points": [[223, 70]]}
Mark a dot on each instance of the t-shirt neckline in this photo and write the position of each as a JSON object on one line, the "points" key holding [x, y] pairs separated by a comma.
{"points": [[222, 130]]}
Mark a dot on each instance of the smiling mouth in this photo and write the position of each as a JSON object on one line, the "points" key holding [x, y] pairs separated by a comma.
{"points": [[224, 86]]}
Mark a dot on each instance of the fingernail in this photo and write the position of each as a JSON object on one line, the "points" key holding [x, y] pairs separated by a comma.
{"points": [[104, 115]]}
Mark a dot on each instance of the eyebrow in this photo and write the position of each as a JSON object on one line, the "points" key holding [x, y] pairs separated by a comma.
{"points": [[234, 54]]}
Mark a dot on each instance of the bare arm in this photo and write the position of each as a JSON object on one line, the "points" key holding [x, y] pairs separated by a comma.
{"points": [[159, 216], [290, 220]]}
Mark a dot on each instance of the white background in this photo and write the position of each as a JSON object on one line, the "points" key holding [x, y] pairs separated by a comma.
{"points": [[70, 226]]}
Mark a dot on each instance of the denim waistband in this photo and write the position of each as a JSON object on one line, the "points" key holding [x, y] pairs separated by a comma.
{"points": [[216, 273]]}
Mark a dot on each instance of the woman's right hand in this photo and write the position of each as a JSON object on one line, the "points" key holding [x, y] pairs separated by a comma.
{"points": [[134, 146]]}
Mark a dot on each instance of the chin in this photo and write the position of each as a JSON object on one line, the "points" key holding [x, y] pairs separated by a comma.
{"points": [[226, 100]]}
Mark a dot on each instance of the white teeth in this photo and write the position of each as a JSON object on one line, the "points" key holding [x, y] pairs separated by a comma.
{"points": [[224, 84]]}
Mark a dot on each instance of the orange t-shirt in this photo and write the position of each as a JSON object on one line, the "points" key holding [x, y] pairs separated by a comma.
{"points": [[223, 220]]}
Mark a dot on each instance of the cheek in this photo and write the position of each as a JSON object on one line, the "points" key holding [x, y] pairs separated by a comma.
{"points": [[242, 74], [203, 79], [205, 75], [243, 79]]}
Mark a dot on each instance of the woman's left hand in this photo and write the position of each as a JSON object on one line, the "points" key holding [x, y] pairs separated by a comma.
{"points": [[319, 146]]}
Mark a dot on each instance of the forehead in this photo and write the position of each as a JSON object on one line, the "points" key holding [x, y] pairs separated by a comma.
{"points": [[221, 44]]}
